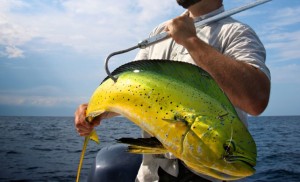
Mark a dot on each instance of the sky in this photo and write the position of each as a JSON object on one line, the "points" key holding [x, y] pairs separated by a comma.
{"points": [[52, 52]]}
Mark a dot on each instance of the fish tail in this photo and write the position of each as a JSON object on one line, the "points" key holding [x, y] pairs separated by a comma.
{"points": [[93, 136]]}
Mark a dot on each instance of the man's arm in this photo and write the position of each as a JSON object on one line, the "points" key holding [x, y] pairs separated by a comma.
{"points": [[246, 86]]}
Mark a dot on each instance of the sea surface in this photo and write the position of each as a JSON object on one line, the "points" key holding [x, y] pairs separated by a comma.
{"points": [[48, 148]]}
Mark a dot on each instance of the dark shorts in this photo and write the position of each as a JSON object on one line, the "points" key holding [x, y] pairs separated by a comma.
{"points": [[114, 163]]}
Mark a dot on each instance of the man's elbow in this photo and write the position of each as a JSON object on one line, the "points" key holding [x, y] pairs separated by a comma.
{"points": [[259, 103], [258, 107]]}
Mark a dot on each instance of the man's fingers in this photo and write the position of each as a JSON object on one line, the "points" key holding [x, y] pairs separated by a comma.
{"points": [[83, 127], [83, 133]]}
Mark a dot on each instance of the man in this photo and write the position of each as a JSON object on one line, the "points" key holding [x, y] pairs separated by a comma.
{"points": [[229, 50]]}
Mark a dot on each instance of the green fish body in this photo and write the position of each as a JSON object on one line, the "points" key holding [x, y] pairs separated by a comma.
{"points": [[185, 110]]}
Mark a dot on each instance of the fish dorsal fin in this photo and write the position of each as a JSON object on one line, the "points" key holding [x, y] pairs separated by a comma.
{"points": [[183, 72]]}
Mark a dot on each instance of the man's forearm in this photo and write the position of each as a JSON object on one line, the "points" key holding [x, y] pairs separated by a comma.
{"points": [[247, 87]]}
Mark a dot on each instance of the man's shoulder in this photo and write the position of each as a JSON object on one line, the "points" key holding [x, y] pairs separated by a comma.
{"points": [[233, 24], [159, 29]]}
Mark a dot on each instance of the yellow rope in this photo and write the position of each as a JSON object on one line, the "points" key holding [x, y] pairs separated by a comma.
{"points": [[86, 140]]}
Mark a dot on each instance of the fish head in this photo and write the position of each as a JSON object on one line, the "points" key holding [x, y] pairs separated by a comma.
{"points": [[220, 148]]}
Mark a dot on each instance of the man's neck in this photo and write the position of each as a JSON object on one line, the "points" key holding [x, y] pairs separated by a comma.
{"points": [[203, 8]]}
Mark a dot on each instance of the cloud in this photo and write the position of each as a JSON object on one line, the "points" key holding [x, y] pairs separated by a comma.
{"points": [[87, 26], [285, 74], [282, 35], [11, 37], [13, 52], [42, 96], [41, 101], [283, 46], [284, 17]]}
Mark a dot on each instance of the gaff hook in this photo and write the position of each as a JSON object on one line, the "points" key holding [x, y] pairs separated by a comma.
{"points": [[113, 54], [164, 35]]}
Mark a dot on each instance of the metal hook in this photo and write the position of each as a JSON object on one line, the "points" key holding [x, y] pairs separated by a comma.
{"points": [[113, 54]]}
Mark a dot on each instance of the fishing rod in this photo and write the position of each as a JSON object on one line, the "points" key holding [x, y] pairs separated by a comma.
{"points": [[162, 36]]}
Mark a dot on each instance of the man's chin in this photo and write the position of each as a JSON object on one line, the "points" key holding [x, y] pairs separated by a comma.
{"points": [[187, 3]]}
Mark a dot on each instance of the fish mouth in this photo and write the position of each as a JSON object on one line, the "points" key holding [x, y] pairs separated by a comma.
{"points": [[237, 158]]}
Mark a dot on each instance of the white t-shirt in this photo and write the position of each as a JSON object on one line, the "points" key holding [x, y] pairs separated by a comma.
{"points": [[229, 37]]}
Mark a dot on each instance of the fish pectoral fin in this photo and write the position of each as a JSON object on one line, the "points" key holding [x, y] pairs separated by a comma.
{"points": [[185, 118], [93, 136], [145, 150], [143, 145]]}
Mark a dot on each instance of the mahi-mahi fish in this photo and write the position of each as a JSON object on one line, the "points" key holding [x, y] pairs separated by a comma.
{"points": [[187, 113]]}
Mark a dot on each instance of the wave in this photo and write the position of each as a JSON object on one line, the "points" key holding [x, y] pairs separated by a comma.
{"points": [[277, 175]]}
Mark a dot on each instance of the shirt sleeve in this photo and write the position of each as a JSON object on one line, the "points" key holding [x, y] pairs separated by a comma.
{"points": [[146, 52], [142, 54], [244, 45]]}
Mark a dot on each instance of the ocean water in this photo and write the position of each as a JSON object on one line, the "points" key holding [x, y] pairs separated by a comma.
{"points": [[48, 148]]}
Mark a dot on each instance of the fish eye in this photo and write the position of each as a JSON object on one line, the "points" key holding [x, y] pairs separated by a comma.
{"points": [[229, 147]]}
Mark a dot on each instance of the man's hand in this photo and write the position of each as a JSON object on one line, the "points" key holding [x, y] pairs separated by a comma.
{"points": [[181, 29], [82, 126]]}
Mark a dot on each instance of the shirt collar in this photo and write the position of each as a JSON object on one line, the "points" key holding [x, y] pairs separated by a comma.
{"points": [[213, 13]]}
